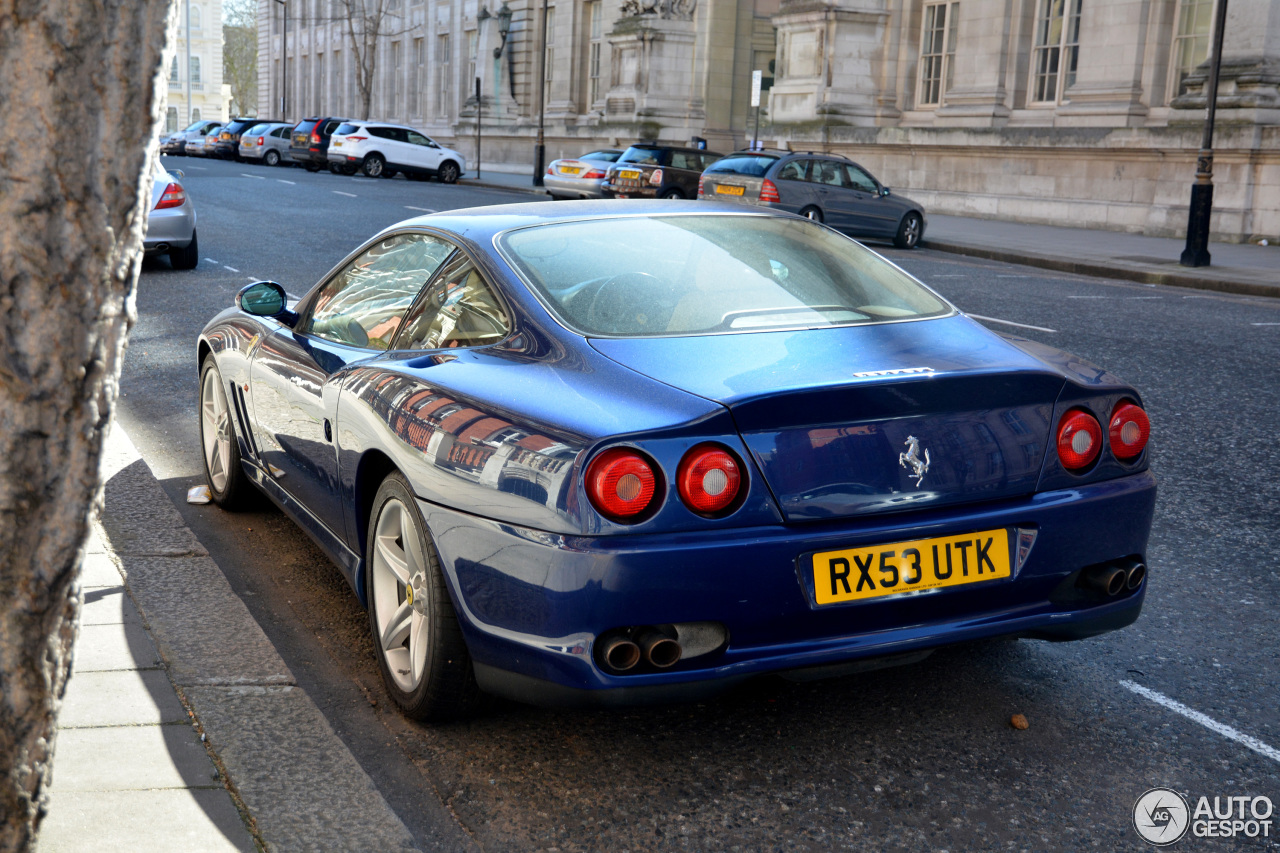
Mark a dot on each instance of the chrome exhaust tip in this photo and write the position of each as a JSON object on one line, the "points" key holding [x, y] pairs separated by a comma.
{"points": [[1136, 575], [620, 654], [1109, 580], [660, 650]]}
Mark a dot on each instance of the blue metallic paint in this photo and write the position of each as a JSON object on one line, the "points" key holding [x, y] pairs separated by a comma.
{"points": [[494, 440]]}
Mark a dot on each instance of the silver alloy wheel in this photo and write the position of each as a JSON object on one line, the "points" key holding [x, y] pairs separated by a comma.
{"points": [[399, 596], [215, 420], [911, 233]]}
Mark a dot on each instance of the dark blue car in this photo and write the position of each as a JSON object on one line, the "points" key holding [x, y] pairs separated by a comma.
{"points": [[612, 452]]}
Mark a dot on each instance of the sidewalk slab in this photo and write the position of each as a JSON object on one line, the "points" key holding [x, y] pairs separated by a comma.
{"points": [[128, 698], [108, 606], [199, 821], [122, 646], [132, 758]]}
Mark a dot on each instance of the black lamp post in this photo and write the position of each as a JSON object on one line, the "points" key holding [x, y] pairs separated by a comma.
{"points": [[1196, 253], [284, 64], [540, 147]]}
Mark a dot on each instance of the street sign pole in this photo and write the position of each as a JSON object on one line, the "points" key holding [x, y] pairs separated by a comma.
{"points": [[1196, 253], [479, 115], [757, 77]]}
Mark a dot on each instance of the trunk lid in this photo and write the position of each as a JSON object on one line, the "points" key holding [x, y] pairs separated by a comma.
{"points": [[870, 419]]}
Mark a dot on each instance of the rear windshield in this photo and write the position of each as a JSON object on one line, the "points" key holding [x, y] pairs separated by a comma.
{"points": [[645, 156], [754, 165], [715, 273], [305, 125], [257, 130], [607, 156], [345, 129], [237, 126]]}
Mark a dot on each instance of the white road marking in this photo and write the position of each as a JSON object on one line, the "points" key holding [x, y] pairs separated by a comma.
{"points": [[211, 260], [348, 195], [290, 183], [423, 209], [1011, 323], [201, 168], [258, 177], [1023, 275], [1115, 297], [950, 275], [251, 278], [233, 269], [1264, 324], [1208, 722]]}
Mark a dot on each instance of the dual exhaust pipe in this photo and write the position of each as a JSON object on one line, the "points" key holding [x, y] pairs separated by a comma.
{"points": [[623, 651], [1111, 579]]}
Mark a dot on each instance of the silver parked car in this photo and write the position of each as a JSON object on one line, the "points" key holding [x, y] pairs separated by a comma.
{"points": [[580, 177], [268, 142], [176, 142], [201, 144], [171, 222], [822, 187]]}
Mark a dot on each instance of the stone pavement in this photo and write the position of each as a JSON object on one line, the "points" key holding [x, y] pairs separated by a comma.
{"points": [[1236, 267], [182, 728]]}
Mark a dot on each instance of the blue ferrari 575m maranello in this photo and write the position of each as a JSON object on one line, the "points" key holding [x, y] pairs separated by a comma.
{"points": [[607, 452]]}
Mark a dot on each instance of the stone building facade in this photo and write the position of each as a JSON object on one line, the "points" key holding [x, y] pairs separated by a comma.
{"points": [[197, 62], [1062, 111]]}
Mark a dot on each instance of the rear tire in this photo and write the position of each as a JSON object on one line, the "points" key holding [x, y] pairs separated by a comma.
{"points": [[223, 472], [187, 258], [672, 193], [421, 653], [909, 230], [373, 165], [271, 158], [311, 167], [448, 172], [389, 173], [812, 212]]}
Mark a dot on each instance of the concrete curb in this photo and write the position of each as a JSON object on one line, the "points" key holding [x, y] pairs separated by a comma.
{"points": [[293, 778], [491, 185], [1211, 280]]}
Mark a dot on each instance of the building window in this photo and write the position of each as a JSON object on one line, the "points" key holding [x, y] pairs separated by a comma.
{"points": [[195, 17], [171, 119], [393, 84], [419, 75], [442, 75], [195, 115], [549, 60], [1190, 40], [195, 73], [1053, 61], [937, 53], [595, 23], [173, 70]]}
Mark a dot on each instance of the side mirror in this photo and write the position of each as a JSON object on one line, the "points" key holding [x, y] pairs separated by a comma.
{"points": [[884, 191], [178, 173], [266, 299]]}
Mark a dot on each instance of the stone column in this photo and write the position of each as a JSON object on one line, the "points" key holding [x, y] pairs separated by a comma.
{"points": [[978, 97], [1108, 88], [1249, 82]]}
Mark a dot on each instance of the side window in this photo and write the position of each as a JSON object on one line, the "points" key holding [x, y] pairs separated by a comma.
{"points": [[681, 160], [708, 159], [381, 132], [330, 127], [826, 172], [793, 171], [862, 181], [459, 309], [417, 138], [363, 305]]}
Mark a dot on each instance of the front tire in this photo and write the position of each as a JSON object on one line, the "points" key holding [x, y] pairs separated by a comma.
{"points": [[271, 158], [448, 172], [373, 165], [223, 472], [908, 236], [423, 658], [186, 258]]}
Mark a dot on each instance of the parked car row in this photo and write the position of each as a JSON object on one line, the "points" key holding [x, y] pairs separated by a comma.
{"points": [[344, 146], [823, 187]]}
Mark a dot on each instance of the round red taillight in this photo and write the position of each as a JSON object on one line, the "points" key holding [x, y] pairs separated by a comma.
{"points": [[621, 484], [1129, 430], [709, 479], [1079, 439]]}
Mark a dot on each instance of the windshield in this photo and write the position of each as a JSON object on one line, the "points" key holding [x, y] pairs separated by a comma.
{"points": [[644, 156], [608, 156], [714, 273], [754, 165]]}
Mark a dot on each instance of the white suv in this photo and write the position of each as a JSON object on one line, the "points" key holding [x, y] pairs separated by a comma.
{"points": [[384, 149]]}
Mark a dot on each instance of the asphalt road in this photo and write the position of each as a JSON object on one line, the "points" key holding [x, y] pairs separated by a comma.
{"points": [[915, 758]]}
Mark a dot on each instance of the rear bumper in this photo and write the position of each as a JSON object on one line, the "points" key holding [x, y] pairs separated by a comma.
{"points": [[169, 229], [532, 604], [573, 187]]}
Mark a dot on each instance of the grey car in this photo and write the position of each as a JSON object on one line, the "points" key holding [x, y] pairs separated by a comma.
{"points": [[171, 222], [176, 142], [268, 142], [822, 187], [580, 177], [200, 143]]}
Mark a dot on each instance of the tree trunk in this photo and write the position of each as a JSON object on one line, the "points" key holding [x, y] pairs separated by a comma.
{"points": [[78, 93]]}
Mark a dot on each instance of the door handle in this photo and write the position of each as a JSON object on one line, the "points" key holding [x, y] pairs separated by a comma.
{"points": [[328, 431]]}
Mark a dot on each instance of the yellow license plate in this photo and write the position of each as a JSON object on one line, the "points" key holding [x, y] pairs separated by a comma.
{"points": [[856, 574], [629, 174], [569, 170], [337, 143], [723, 190]]}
